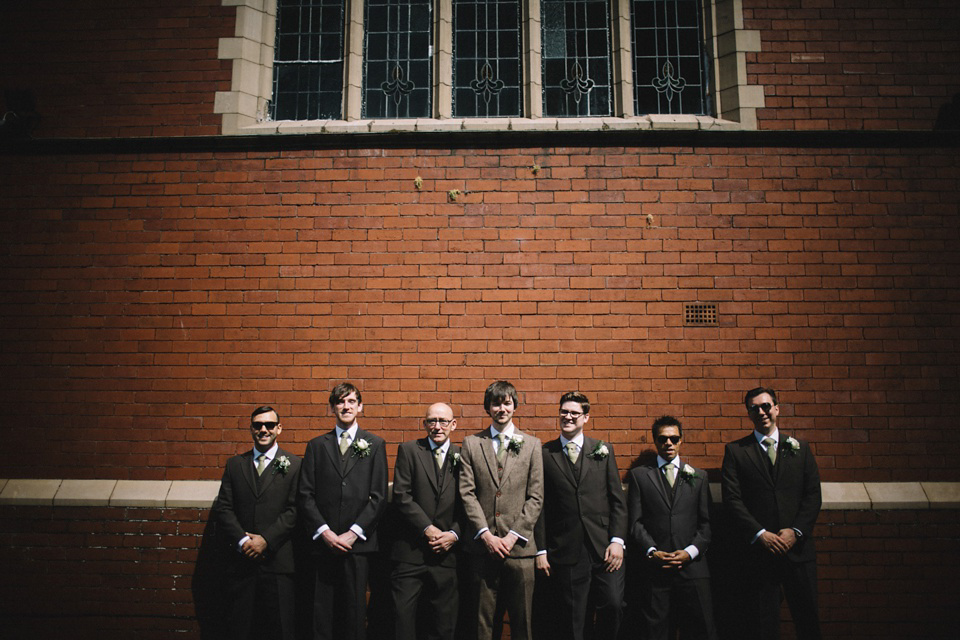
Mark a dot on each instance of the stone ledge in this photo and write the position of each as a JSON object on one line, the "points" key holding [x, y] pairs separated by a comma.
{"points": [[200, 494]]}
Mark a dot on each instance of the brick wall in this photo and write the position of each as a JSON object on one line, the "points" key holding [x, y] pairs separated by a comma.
{"points": [[151, 573], [151, 300]]}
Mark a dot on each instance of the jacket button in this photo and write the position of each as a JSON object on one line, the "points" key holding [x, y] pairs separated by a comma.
{"points": [[498, 514], [498, 494]]}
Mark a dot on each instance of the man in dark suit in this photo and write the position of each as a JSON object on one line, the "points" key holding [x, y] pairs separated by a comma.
{"points": [[501, 485], [582, 527], [670, 529], [256, 513], [771, 488], [343, 485], [426, 498]]}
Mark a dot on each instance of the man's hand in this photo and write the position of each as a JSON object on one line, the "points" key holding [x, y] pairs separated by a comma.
{"points": [[495, 545], [443, 542], [541, 563], [789, 537], [613, 558], [255, 546], [334, 541], [671, 560], [773, 543]]}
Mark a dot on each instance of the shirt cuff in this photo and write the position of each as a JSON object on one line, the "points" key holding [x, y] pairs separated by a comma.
{"points": [[480, 533], [759, 533], [693, 551], [454, 534], [320, 531], [651, 551], [242, 542], [357, 529], [519, 537], [618, 541]]}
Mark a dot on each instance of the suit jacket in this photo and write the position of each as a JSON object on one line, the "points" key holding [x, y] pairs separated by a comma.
{"points": [[667, 522], [510, 502], [340, 494], [421, 499], [786, 497], [582, 509], [269, 510]]}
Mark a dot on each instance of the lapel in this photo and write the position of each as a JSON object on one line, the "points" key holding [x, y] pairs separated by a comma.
{"points": [[425, 456], [248, 471], [270, 473], [586, 460], [329, 444], [657, 480], [758, 457], [559, 458], [351, 457], [486, 446]]}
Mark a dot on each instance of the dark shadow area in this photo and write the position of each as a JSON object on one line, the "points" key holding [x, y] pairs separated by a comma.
{"points": [[948, 117]]}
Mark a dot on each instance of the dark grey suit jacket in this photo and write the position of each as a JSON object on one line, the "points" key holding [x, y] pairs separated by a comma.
{"points": [[339, 497], [269, 510], [668, 524], [422, 499]]}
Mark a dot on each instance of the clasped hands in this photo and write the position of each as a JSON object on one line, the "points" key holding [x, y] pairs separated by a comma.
{"points": [[255, 547], [778, 543], [342, 543], [612, 559], [499, 546], [671, 560], [440, 541]]}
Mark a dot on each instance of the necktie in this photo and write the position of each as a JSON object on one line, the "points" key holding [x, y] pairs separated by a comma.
{"points": [[502, 449], [671, 472], [438, 456], [572, 452], [261, 463], [344, 442], [771, 449]]}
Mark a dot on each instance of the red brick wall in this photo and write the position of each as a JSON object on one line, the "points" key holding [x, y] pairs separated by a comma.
{"points": [[149, 301], [149, 573]]}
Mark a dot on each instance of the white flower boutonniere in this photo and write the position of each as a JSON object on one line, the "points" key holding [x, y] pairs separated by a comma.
{"points": [[689, 474], [361, 448], [454, 459], [281, 464], [600, 451], [793, 445], [514, 444]]}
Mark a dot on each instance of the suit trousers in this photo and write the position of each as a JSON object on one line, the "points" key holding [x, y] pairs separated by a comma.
{"points": [[669, 602], [340, 596], [262, 606], [511, 582], [590, 598], [439, 586], [770, 580]]}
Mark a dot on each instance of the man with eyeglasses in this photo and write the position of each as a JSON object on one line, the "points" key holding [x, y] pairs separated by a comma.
{"points": [[256, 512], [670, 527], [582, 528], [425, 494], [771, 489]]}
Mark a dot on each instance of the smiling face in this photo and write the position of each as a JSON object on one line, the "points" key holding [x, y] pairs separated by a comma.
{"points": [[668, 440], [346, 409], [763, 412], [265, 427], [439, 423], [572, 419], [501, 412]]}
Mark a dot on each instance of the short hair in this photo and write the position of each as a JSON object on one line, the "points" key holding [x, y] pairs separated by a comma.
{"points": [[264, 409], [498, 392], [753, 393], [579, 398], [341, 391], [666, 421]]}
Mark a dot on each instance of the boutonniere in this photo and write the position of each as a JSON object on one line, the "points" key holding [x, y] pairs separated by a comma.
{"points": [[514, 444], [689, 474], [793, 445], [454, 460], [281, 464], [361, 448], [600, 451]]}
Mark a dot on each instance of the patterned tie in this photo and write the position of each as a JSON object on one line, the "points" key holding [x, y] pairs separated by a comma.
{"points": [[671, 472], [502, 449], [771, 449], [573, 452], [261, 463], [438, 456], [344, 442]]}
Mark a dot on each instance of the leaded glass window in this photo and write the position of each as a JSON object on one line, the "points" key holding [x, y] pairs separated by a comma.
{"points": [[397, 65], [486, 58], [308, 60], [576, 58], [669, 73]]}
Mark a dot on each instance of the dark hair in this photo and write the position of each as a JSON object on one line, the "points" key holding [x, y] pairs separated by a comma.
{"points": [[666, 421], [579, 398], [341, 391], [264, 409], [498, 392], [753, 393]]}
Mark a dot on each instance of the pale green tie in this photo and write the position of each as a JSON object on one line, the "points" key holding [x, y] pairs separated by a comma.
{"points": [[438, 456], [671, 472], [771, 449], [344, 442], [261, 463], [502, 449], [573, 452]]}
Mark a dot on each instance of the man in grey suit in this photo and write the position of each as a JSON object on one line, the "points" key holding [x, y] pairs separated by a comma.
{"points": [[501, 484], [670, 529], [425, 494], [256, 513], [582, 527]]}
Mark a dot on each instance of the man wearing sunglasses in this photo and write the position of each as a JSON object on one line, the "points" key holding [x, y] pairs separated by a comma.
{"points": [[771, 489], [670, 527], [256, 512]]}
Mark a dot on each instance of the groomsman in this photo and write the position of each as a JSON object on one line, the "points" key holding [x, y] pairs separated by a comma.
{"points": [[256, 513], [670, 527], [501, 485], [343, 485], [425, 494], [582, 527], [771, 487]]}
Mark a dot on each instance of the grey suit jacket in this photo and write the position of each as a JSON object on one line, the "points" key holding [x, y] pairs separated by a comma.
{"points": [[511, 502], [668, 524]]}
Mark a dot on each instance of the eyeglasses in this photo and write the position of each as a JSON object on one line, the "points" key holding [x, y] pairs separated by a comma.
{"points": [[672, 439], [757, 408], [270, 426], [433, 422], [572, 414]]}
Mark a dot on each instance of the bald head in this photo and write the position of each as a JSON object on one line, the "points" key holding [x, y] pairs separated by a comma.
{"points": [[439, 423]]}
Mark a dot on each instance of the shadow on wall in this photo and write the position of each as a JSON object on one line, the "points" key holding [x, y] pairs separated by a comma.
{"points": [[948, 117]]}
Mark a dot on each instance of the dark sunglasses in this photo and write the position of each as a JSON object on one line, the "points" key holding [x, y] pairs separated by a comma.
{"points": [[757, 408], [269, 425], [664, 439]]}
